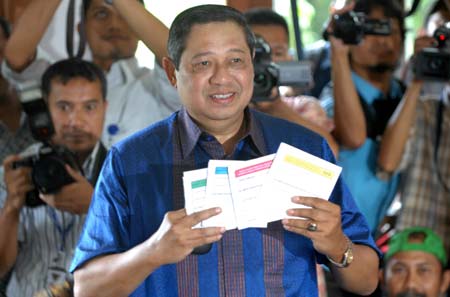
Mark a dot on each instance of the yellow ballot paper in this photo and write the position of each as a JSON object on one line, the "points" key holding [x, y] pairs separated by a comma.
{"points": [[296, 173]]}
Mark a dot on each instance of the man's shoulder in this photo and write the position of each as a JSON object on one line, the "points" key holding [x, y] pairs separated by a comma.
{"points": [[157, 134]]}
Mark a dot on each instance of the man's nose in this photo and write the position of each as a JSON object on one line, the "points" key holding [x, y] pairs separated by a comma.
{"points": [[221, 75], [412, 281], [77, 119]]}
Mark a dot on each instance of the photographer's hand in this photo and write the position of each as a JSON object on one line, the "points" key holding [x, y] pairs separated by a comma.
{"points": [[74, 197], [18, 183]]}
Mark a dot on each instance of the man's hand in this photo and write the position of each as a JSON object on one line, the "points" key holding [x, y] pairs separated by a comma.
{"points": [[18, 183], [74, 197], [176, 239], [328, 238]]}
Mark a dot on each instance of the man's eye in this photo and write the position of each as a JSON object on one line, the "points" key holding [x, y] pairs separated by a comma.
{"points": [[63, 106], [91, 106], [237, 60], [201, 65], [101, 14]]}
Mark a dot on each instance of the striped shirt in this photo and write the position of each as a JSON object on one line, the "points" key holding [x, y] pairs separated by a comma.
{"points": [[425, 186], [44, 257]]}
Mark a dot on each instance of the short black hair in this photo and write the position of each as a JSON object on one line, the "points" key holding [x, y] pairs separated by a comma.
{"points": [[436, 6], [265, 16], [87, 3], [6, 27], [203, 14], [390, 8], [68, 69]]}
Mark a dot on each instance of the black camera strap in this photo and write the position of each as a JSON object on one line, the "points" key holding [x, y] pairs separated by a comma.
{"points": [[70, 31], [439, 121]]}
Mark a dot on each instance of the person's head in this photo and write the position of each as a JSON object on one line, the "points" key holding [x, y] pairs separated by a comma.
{"points": [[108, 35], [75, 92], [380, 53], [273, 28], [415, 264], [210, 61], [438, 15]]}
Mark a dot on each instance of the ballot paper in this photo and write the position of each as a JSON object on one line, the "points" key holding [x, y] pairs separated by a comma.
{"points": [[194, 183], [295, 173], [246, 179], [218, 194]]}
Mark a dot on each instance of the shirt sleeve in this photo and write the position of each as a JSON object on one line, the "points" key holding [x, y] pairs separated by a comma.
{"points": [[33, 72], [327, 100], [106, 226]]}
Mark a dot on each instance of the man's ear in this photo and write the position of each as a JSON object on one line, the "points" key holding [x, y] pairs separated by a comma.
{"points": [[169, 68], [445, 281]]}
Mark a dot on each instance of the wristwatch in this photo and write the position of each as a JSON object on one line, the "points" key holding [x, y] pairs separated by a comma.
{"points": [[348, 256]]}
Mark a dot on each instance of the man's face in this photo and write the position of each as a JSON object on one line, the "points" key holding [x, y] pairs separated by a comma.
{"points": [[78, 111], [108, 35], [377, 50], [415, 274], [215, 76], [277, 38]]}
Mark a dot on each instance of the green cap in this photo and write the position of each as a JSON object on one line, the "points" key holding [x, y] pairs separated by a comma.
{"points": [[432, 243]]}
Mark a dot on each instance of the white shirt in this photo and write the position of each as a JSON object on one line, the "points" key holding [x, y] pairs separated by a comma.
{"points": [[137, 97], [44, 257]]}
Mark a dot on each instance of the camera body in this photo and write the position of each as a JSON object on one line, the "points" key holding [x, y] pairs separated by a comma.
{"points": [[434, 63], [48, 164], [48, 171], [269, 74], [351, 27]]}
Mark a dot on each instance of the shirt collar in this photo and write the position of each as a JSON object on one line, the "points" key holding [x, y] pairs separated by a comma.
{"points": [[190, 133], [369, 92]]}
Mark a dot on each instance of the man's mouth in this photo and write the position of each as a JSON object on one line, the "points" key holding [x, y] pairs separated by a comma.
{"points": [[222, 96]]}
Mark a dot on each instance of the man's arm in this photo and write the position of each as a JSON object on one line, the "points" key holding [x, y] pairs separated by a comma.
{"points": [[18, 183], [120, 274], [398, 129], [278, 108], [145, 25], [28, 31], [361, 275], [349, 119]]}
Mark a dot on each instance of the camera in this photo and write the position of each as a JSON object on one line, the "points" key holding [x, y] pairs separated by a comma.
{"points": [[269, 74], [351, 27], [433, 63], [48, 171]]}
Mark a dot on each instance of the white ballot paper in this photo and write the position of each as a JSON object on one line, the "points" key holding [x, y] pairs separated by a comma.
{"points": [[194, 183], [296, 173], [246, 180], [218, 194]]}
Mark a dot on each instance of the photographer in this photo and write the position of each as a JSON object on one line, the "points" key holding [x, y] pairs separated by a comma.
{"points": [[38, 242], [362, 97], [416, 144], [303, 110]]}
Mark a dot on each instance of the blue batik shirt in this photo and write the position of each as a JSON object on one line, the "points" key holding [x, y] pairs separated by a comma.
{"points": [[142, 180]]}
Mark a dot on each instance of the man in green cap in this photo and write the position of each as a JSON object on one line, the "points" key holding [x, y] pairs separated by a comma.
{"points": [[415, 265]]}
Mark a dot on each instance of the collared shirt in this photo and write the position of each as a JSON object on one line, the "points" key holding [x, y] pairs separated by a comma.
{"points": [[142, 180], [425, 183], [372, 194], [41, 245], [137, 96], [13, 143]]}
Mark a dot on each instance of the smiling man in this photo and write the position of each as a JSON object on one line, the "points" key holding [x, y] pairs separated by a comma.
{"points": [[138, 239], [38, 242]]}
